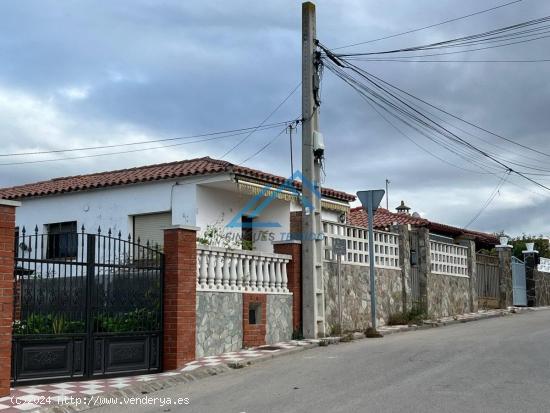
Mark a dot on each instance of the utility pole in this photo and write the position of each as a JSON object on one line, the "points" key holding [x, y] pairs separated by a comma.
{"points": [[313, 303], [387, 194]]}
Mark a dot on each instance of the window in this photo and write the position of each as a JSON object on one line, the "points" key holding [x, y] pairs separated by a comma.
{"points": [[62, 240], [246, 237]]}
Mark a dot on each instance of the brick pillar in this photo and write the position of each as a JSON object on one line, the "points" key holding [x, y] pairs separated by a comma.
{"points": [[294, 273], [7, 239], [505, 298], [531, 260], [180, 295], [254, 334]]}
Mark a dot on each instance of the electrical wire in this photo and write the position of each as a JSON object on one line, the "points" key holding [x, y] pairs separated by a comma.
{"points": [[489, 200], [265, 120], [406, 60], [429, 26], [127, 151], [44, 152], [421, 118], [503, 34]]}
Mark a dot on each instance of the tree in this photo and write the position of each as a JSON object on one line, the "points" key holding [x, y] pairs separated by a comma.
{"points": [[541, 245]]}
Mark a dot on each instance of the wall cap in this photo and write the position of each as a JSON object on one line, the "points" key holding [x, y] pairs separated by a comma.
{"points": [[290, 241], [7, 202], [504, 247], [533, 252], [185, 227]]}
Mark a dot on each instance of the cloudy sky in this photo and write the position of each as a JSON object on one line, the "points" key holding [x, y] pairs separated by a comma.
{"points": [[85, 73]]}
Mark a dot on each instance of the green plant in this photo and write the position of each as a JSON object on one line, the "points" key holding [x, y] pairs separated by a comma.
{"points": [[140, 319], [519, 245], [215, 235], [413, 316]]}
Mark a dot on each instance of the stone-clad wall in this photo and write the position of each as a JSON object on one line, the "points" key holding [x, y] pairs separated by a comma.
{"points": [[279, 318], [448, 295], [542, 288], [356, 295], [219, 323]]}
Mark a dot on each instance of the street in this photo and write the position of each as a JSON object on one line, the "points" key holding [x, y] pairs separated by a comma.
{"points": [[496, 365]]}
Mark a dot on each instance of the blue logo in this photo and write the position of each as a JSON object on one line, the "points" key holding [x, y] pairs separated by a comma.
{"points": [[267, 194]]}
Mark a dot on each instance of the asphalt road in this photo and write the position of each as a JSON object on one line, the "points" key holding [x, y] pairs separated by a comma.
{"points": [[495, 365]]}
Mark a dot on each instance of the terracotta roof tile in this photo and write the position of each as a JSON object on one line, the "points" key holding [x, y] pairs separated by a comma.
{"points": [[384, 218], [179, 169]]}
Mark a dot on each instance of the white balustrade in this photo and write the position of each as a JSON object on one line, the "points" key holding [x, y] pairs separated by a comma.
{"points": [[221, 269], [386, 245]]}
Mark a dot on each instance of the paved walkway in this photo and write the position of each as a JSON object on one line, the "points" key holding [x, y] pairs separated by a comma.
{"points": [[29, 398]]}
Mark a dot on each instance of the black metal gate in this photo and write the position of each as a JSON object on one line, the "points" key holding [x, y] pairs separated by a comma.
{"points": [[85, 305]]}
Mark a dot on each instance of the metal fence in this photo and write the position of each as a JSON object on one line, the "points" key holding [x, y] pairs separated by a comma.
{"points": [[85, 305]]}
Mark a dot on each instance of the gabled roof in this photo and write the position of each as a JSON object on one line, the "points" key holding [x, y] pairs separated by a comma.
{"points": [[158, 172], [384, 218]]}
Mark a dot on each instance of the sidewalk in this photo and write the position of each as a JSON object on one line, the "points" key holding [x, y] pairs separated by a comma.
{"points": [[81, 395]]}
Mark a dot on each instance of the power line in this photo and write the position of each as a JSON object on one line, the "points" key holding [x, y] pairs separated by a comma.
{"points": [[489, 200], [124, 152], [421, 118], [243, 130], [506, 33], [269, 143], [406, 60], [265, 120], [456, 151], [430, 26], [461, 119]]}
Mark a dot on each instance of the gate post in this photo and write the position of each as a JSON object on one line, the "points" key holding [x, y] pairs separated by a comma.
{"points": [[294, 274], [405, 260], [505, 276], [180, 296], [531, 261], [469, 241], [7, 240]]}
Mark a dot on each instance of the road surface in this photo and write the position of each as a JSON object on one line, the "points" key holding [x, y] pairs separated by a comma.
{"points": [[496, 365]]}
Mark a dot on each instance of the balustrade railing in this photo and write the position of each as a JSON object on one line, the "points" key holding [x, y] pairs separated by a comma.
{"points": [[221, 269]]}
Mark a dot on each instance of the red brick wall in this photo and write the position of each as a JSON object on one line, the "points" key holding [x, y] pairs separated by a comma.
{"points": [[294, 273], [180, 279], [296, 222], [7, 234], [254, 334]]}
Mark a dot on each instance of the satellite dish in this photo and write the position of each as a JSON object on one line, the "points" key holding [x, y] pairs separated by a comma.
{"points": [[416, 215]]}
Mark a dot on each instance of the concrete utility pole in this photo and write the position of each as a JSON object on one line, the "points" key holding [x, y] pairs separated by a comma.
{"points": [[313, 303]]}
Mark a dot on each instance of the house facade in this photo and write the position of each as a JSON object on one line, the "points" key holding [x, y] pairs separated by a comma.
{"points": [[216, 196]]}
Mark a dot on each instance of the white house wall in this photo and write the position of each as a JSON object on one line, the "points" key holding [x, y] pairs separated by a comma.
{"points": [[108, 207], [219, 207]]}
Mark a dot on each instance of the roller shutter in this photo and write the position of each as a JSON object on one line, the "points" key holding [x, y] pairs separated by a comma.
{"points": [[149, 227]]}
